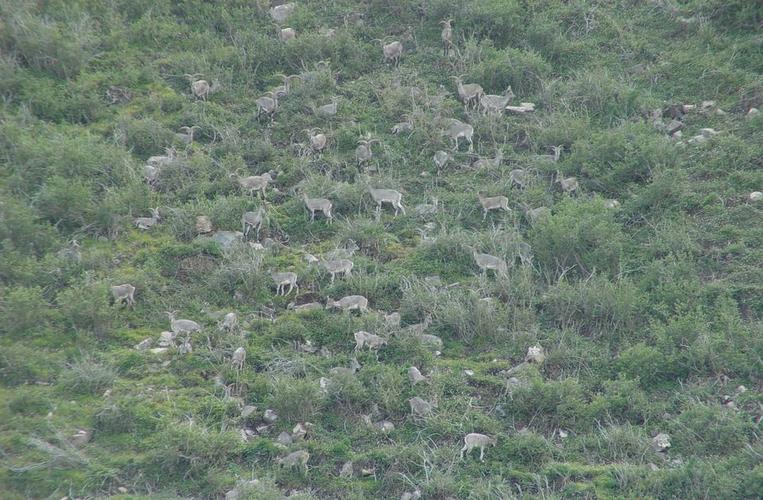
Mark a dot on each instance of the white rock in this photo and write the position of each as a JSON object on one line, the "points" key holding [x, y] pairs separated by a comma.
{"points": [[248, 410], [270, 416], [661, 442]]}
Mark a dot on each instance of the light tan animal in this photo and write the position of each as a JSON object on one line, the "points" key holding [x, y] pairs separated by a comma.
{"points": [[492, 104], [470, 93], [393, 51], [415, 376], [483, 163], [458, 129], [338, 266], [363, 339], [421, 408], [486, 261], [253, 220], [519, 177], [295, 459], [123, 294], [493, 203], [446, 35], [349, 303], [148, 222], [568, 184], [238, 358], [390, 196], [319, 204], [254, 183], [283, 279], [199, 88], [476, 440]]}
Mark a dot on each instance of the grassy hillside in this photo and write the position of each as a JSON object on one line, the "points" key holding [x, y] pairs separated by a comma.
{"points": [[648, 308]]}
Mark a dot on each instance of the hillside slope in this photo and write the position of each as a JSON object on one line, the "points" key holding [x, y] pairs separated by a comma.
{"points": [[629, 307]]}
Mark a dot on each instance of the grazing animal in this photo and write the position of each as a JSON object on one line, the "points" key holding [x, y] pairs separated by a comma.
{"points": [[328, 109], [286, 34], [295, 459], [458, 129], [253, 220], [316, 204], [185, 134], [519, 177], [363, 339], [421, 408], [392, 51], [254, 183], [179, 326], [487, 163], [283, 279], [267, 104], [148, 222], [229, 323], [554, 157], [441, 159], [199, 88], [533, 215], [349, 303], [415, 376], [491, 104], [390, 196], [363, 152], [568, 184], [123, 294], [476, 440], [493, 203], [338, 266], [238, 358], [486, 261], [470, 94]]}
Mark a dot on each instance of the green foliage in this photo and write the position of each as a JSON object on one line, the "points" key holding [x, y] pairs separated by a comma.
{"points": [[87, 376]]}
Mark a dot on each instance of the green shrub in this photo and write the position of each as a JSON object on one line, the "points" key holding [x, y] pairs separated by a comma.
{"points": [[709, 430], [295, 400], [86, 308], [24, 311], [65, 202], [87, 375]]}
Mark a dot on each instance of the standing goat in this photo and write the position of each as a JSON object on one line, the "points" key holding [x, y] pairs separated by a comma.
{"points": [[476, 440], [253, 220], [229, 322], [457, 129], [487, 163], [283, 279], [179, 326], [363, 153], [185, 134], [470, 93], [254, 183], [493, 203], [322, 204], [338, 266], [349, 303], [486, 261], [554, 157], [390, 196], [123, 294], [568, 184], [495, 104], [363, 339], [267, 105], [392, 51], [318, 140], [148, 222], [446, 35], [238, 359], [519, 177], [441, 159], [421, 408], [295, 459], [199, 88]]}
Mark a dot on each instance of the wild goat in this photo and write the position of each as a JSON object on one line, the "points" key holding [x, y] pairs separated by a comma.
{"points": [[179, 326], [148, 222], [415, 376], [487, 163], [519, 177], [476, 440], [328, 109], [267, 104], [123, 294], [441, 159], [363, 152], [470, 94], [341, 370], [295, 459], [253, 220], [238, 358], [229, 323], [446, 35], [431, 341], [390, 196], [486, 261], [363, 339], [318, 140], [493, 203], [280, 13], [350, 247], [421, 408], [315, 204], [392, 51], [554, 157], [185, 134], [286, 34], [284, 89], [568, 184], [495, 104], [339, 266], [417, 329], [457, 129], [525, 252], [159, 161], [254, 183], [151, 174], [283, 279], [349, 303], [199, 88], [403, 127], [533, 215]]}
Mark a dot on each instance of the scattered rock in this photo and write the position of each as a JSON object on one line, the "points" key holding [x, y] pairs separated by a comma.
{"points": [[661, 442], [535, 354], [270, 416], [284, 438], [346, 470], [144, 344], [247, 410], [203, 225]]}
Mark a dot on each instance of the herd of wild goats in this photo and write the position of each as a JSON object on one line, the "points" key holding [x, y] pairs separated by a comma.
{"points": [[339, 262]]}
